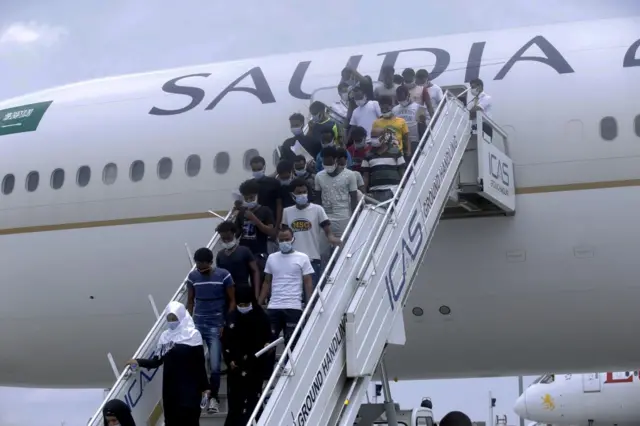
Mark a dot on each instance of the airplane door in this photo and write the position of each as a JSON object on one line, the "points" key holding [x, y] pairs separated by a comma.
{"points": [[591, 382]]}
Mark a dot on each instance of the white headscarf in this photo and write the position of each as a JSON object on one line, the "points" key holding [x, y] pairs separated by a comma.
{"points": [[184, 334]]}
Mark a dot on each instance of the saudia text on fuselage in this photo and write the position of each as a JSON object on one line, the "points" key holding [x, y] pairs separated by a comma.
{"points": [[260, 88]]}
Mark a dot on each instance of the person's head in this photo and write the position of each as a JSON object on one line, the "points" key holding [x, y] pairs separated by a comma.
{"points": [[455, 418], [228, 231], [342, 157], [326, 136], [402, 94], [386, 105], [358, 136], [117, 413], [175, 314], [397, 79], [422, 77], [285, 171], [296, 121], [359, 96], [477, 86], [258, 166], [318, 111], [300, 192], [409, 77], [203, 257], [386, 74], [343, 91], [329, 158], [300, 165], [285, 239], [249, 190]]}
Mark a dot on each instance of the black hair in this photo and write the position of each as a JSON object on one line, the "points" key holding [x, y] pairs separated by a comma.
{"points": [[387, 69], [385, 100], [284, 166], [477, 82], [397, 79], [408, 72], [330, 151], [343, 85], [402, 90], [258, 160], [285, 228], [358, 132], [366, 88], [203, 255], [296, 116], [249, 187], [455, 418], [297, 183], [317, 107], [300, 158], [326, 129], [422, 73], [120, 410], [227, 226], [342, 153]]}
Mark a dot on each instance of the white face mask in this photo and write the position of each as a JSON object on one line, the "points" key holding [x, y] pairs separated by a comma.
{"points": [[330, 169], [231, 244], [245, 309], [296, 130], [361, 102], [344, 97]]}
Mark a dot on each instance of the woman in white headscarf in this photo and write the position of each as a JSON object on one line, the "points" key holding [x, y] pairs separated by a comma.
{"points": [[184, 377]]}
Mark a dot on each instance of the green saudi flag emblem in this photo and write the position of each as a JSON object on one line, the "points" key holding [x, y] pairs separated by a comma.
{"points": [[24, 118]]}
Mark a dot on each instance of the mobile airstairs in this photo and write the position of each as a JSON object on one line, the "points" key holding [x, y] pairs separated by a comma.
{"points": [[357, 308]]}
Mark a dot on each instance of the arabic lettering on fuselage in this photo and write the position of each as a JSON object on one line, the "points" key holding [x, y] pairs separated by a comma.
{"points": [[260, 88]]}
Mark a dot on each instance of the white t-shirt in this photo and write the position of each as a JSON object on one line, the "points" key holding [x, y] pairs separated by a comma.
{"points": [[436, 95], [365, 115], [287, 271], [483, 101], [307, 229], [336, 198], [410, 114]]}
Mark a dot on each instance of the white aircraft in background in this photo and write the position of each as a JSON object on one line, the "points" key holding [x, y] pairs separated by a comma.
{"points": [[104, 181], [582, 399]]}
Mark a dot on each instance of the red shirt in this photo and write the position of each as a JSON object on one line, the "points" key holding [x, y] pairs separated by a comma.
{"points": [[357, 155]]}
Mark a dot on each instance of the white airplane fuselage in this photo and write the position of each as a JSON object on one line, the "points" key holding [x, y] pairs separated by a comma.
{"points": [[79, 262], [575, 399]]}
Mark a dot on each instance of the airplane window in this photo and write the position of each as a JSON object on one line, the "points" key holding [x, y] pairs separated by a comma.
{"points": [[8, 183], [83, 176], [549, 378], [221, 162], [608, 128], [248, 155], [636, 124], [109, 174], [193, 165], [33, 179], [165, 167], [136, 172], [57, 179]]}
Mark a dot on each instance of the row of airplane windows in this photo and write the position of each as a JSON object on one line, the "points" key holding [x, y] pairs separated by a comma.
{"points": [[164, 169], [221, 163]]}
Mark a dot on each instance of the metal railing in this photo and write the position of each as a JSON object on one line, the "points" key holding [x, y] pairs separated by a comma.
{"points": [[151, 337], [317, 294]]}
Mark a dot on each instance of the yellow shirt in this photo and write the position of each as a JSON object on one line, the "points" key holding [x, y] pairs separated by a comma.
{"points": [[397, 124]]}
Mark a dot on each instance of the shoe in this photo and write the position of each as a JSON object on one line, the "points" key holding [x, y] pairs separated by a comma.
{"points": [[214, 406]]}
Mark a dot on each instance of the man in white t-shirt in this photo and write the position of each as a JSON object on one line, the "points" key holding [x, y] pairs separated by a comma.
{"points": [[308, 221], [480, 101], [411, 112], [367, 110], [288, 274]]}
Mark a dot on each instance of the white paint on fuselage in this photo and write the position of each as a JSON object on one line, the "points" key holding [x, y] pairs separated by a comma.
{"points": [[553, 299]]}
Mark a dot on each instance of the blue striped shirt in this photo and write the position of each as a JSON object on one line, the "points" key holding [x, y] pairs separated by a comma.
{"points": [[210, 292]]}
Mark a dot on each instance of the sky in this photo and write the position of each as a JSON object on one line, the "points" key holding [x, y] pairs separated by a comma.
{"points": [[45, 44]]}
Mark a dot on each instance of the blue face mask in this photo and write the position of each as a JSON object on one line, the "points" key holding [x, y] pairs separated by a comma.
{"points": [[285, 246], [172, 325], [302, 199], [301, 172], [250, 204], [259, 174], [245, 309]]}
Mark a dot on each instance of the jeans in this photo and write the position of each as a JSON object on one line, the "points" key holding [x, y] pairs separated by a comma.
{"points": [[283, 321], [211, 338], [317, 273]]}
